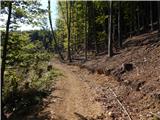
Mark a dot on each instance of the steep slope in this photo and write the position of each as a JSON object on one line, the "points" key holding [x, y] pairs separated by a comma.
{"points": [[139, 87]]}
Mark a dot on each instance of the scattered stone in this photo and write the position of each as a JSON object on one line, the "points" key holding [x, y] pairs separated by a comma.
{"points": [[52, 112], [100, 71], [53, 101], [109, 106], [149, 115], [110, 114], [101, 117], [45, 100], [137, 84], [127, 82], [156, 95], [107, 72]]}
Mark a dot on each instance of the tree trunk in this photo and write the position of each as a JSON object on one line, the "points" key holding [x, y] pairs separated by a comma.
{"points": [[110, 51], [134, 17], [151, 17], [147, 14], [4, 54], [5, 44], [68, 28], [74, 25], [114, 38], [77, 32], [119, 25], [131, 22], [143, 17], [85, 41], [94, 30], [159, 16], [54, 37], [138, 21]]}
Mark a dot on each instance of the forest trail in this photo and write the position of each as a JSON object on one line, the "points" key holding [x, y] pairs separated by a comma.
{"points": [[73, 98]]}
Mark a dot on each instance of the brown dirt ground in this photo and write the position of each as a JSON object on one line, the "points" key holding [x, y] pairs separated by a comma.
{"points": [[85, 96], [139, 89], [75, 100]]}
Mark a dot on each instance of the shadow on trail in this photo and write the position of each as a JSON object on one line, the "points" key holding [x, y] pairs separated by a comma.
{"points": [[28, 105], [80, 117]]}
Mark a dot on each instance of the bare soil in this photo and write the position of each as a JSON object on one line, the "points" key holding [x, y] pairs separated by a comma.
{"points": [[74, 98], [139, 88]]}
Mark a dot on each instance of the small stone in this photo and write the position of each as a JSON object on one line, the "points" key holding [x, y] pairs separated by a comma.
{"points": [[44, 100], [109, 106], [107, 72], [149, 115], [157, 95], [110, 114], [127, 82], [52, 112]]}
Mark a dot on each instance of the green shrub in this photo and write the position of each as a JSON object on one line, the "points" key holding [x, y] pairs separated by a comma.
{"points": [[27, 79]]}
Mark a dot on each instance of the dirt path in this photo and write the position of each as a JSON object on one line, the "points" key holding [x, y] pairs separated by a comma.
{"points": [[81, 95], [73, 99]]}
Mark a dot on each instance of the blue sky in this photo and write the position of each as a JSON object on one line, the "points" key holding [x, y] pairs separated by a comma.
{"points": [[54, 14]]}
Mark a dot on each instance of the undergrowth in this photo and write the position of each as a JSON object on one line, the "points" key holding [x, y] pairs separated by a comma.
{"points": [[27, 77], [19, 94]]}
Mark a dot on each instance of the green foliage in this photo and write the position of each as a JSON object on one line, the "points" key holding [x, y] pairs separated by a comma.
{"points": [[15, 47], [19, 13], [77, 23], [44, 82], [102, 35], [89, 20], [26, 72], [101, 19]]}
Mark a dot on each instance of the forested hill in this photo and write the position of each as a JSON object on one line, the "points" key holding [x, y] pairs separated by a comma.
{"points": [[100, 62], [102, 27]]}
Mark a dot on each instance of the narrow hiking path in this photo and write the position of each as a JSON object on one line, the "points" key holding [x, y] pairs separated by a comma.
{"points": [[81, 95], [73, 99]]}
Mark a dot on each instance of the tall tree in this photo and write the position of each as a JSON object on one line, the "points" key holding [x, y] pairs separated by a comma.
{"points": [[151, 16], [110, 51], [138, 19], [69, 28], [86, 35], [5, 44], [5, 52], [119, 25], [98, 24], [159, 15], [54, 37], [94, 29]]}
